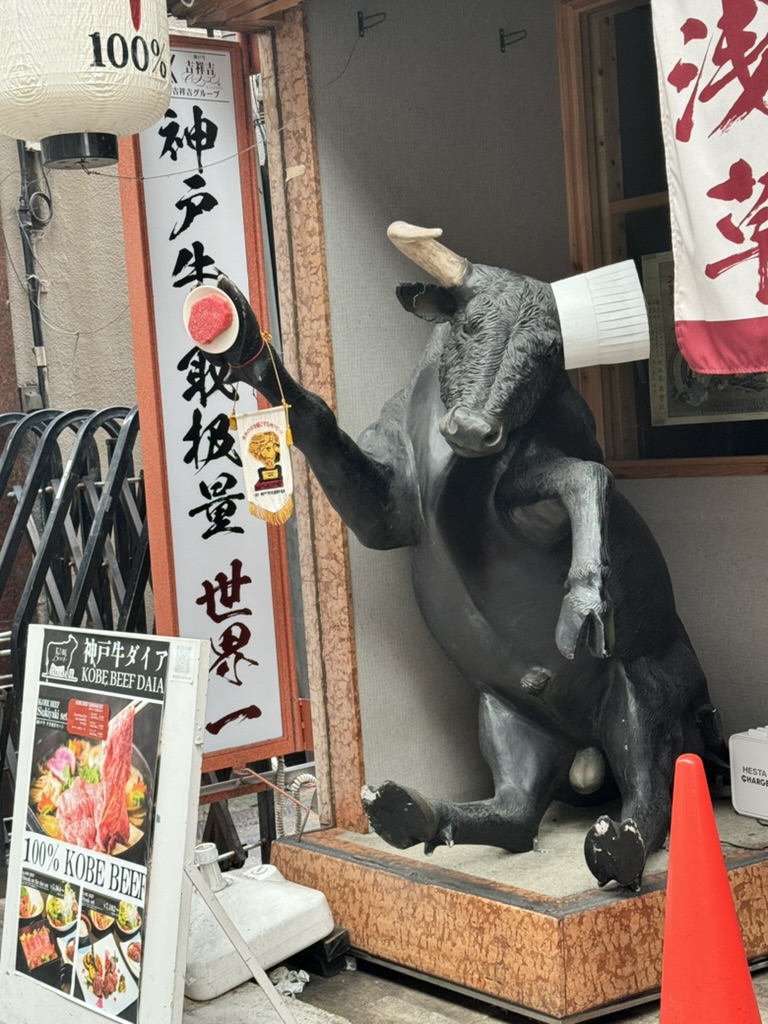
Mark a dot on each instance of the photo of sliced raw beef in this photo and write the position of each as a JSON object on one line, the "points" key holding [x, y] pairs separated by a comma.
{"points": [[76, 813], [87, 802], [112, 824]]}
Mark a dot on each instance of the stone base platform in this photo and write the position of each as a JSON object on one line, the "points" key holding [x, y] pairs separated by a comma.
{"points": [[568, 953]]}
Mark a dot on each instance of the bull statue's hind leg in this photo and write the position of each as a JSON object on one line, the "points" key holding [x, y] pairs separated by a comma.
{"points": [[527, 765], [645, 731]]}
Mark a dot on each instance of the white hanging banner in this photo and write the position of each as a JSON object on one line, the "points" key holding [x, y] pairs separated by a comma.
{"points": [[712, 82], [265, 454]]}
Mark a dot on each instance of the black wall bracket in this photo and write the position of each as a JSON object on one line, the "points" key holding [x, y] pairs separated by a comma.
{"points": [[367, 21], [508, 38]]}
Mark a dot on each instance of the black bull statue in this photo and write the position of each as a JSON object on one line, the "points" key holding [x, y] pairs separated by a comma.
{"points": [[538, 580]]}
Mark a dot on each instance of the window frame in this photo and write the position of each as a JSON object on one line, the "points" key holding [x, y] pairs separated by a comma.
{"points": [[592, 204]]}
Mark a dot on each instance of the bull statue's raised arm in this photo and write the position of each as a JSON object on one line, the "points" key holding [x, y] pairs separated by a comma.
{"points": [[533, 574], [374, 491]]}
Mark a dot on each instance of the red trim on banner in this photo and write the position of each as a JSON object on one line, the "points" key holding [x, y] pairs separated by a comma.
{"points": [[724, 346]]}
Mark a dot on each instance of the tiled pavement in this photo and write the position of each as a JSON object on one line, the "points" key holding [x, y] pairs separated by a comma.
{"points": [[372, 996]]}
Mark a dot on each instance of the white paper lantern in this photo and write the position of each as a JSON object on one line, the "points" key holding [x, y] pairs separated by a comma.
{"points": [[82, 66]]}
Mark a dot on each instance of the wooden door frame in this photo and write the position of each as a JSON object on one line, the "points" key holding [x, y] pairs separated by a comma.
{"points": [[302, 289]]}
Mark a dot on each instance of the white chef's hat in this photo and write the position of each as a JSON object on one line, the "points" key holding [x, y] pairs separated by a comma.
{"points": [[603, 317]]}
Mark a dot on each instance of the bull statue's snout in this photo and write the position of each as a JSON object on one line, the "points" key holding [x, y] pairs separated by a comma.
{"points": [[473, 434]]}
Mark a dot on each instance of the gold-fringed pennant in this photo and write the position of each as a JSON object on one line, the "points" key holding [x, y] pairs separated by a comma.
{"points": [[265, 454]]}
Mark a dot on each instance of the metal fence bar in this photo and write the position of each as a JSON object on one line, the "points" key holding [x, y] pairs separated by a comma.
{"points": [[83, 522], [79, 511]]}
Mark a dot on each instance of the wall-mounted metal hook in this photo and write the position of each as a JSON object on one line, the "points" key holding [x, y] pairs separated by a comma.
{"points": [[366, 21], [508, 38]]}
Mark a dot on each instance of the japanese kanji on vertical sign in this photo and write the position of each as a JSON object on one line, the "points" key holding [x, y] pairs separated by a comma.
{"points": [[196, 215], [713, 80]]}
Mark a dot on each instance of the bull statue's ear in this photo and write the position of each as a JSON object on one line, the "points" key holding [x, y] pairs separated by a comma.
{"points": [[427, 301]]}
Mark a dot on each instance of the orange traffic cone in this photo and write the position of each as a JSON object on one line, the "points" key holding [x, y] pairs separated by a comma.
{"points": [[704, 976]]}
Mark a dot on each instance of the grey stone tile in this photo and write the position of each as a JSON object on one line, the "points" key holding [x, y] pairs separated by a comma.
{"points": [[383, 997], [396, 1010], [440, 1001], [391, 998], [248, 1003], [413, 1007], [350, 989]]}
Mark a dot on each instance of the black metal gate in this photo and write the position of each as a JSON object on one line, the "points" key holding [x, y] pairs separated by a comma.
{"points": [[74, 507]]}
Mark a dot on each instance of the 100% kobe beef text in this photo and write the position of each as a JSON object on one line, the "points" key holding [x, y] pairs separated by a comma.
{"points": [[42, 854]]}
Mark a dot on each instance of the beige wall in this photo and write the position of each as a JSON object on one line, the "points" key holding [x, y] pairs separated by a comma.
{"points": [[86, 324], [714, 537], [424, 119], [87, 328]]}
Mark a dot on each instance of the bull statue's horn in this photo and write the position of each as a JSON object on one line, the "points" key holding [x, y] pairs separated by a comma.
{"points": [[422, 247]]}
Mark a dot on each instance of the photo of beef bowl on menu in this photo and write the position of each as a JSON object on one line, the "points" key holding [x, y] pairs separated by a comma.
{"points": [[96, 738], [106, 977], [49, 910], [90, 791]]}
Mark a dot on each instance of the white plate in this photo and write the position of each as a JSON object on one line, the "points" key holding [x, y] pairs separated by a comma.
{"points": [[133, 966], [227, 337], [118, 1001]]}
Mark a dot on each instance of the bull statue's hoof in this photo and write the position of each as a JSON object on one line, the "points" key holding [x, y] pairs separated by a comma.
{"points": [[403, 817], [615, 851]]}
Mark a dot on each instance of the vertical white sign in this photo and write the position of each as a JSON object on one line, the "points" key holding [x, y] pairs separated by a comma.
{"points": [[192, 192]]}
